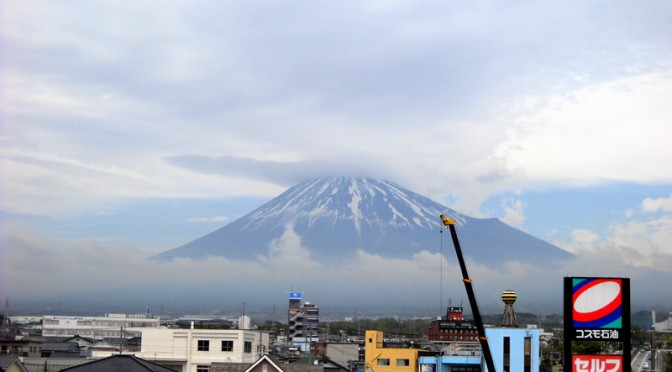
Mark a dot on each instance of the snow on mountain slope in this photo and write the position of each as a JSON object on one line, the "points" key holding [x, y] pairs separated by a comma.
{"points": [[335, 217]]}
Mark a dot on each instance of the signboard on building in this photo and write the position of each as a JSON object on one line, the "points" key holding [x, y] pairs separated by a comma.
{"points": [[597, 309], [294, 295], [591, 363]]}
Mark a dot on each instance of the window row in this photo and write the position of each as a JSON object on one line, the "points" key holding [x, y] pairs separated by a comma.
{"points": [[467, 330], [400, 362], [227, 345]]}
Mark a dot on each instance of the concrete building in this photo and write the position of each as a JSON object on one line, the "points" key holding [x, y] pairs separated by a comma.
{"points": [[110, 325], [25, 347], [194, 350], [303, 320], [453, 327], [664, 326], [302, 323], [378, 358], [344, 353], [512, 349]]}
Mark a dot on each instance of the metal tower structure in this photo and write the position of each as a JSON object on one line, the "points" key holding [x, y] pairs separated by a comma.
{"points": [[509, 297]]}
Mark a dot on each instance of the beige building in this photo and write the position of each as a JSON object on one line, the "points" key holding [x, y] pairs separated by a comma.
{"points": [[97, 327], [194, 350]]}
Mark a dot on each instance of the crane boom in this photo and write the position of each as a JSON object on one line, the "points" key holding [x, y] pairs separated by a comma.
{"points": [[470, 293]]}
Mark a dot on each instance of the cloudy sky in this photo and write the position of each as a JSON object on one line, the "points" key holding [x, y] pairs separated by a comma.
{"points": [[129, 128]]}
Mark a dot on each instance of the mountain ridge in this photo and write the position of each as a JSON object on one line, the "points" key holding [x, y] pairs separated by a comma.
{"points": [[337, 216]]}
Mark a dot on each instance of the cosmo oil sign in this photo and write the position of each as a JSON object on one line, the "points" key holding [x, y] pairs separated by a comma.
{"points": [[598, 309]]}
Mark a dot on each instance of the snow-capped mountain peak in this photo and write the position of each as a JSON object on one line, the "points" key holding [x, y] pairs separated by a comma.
{"points": [[358, 200], [336, 216]]}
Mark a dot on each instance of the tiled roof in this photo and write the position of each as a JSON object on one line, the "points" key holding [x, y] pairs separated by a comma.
{"points": [[122, 362]]}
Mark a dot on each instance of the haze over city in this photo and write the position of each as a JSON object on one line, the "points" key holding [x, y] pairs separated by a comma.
{"points": [[128, 129]]}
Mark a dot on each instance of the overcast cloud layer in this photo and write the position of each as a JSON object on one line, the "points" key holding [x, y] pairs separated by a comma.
{"points": [[128, 128]]}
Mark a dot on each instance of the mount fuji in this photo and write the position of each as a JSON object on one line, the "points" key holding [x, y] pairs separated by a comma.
{"points": [[338, 216]]}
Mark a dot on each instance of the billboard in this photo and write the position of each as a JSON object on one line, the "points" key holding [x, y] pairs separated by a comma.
{"points": [[294, 295], [599, 309], [591, 363]]}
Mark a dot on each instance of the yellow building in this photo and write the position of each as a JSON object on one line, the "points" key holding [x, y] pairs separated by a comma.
{"points": [[381, 359]]}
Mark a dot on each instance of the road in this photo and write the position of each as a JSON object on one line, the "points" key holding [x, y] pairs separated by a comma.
{"points": [[642, 361]]}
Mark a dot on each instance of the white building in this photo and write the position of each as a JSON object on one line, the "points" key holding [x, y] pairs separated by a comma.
{"points": [[194, 350], [664, 326], [110, 325]]}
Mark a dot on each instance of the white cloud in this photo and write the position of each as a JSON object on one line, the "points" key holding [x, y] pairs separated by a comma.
{"points": [[40, 268], [88, 92], [615, 130], [514, 212], [650, 205], [287, 251], [640, 243], [582, 241]]}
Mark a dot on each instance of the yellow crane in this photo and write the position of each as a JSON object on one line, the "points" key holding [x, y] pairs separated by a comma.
{"points": [[487, 355]]}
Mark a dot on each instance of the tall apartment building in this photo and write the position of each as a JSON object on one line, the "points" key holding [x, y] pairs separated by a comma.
{"points": [[97, 327], [303, 320]]}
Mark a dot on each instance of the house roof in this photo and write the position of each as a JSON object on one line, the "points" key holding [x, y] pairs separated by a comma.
{"points": [[307, 365], [60, 346], [121, 362], [329, 363], [267, 359], [7, 361], [103, 345], [64, 354], [75, 338]]}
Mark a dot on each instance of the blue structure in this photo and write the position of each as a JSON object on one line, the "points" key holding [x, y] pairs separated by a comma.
{"points": [[512, 349]]}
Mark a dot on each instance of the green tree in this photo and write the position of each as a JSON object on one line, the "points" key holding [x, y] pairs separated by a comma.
{"points": [[587, 347]]}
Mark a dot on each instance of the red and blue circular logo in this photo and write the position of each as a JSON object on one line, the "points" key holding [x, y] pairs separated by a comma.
{"points": [[597, 303]]}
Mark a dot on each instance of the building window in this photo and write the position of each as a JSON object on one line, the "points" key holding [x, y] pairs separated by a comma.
{"points": [[227, 345], [507, 354], [528, 354], [203, 345], [383, 362], [202, 368], [403, 362], [248, 347]]}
